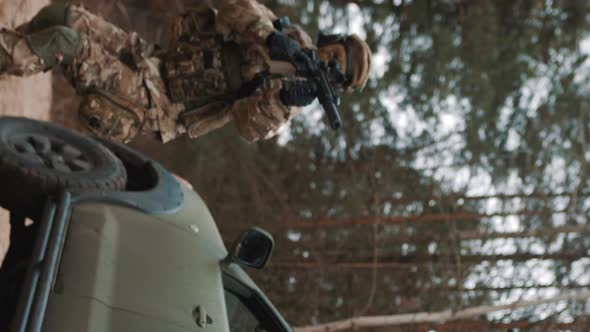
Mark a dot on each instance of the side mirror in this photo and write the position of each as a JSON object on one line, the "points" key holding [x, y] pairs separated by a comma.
{"points": [[253, 248]]}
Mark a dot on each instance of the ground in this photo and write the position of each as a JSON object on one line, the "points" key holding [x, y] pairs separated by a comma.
{"points": [[29, 97]]}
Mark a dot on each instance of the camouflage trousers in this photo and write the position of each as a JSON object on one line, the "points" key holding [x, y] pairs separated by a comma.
{"points": [[112, 69]]}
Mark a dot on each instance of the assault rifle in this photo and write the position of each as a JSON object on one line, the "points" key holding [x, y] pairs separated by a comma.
{"points": [[318, 71]]}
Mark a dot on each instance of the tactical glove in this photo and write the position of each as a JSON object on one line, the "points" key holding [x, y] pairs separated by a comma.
{"points": [[298, 92], [282, 47]]}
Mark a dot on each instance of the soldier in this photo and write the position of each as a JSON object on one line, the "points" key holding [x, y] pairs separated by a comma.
{"points": [[233, 62]]}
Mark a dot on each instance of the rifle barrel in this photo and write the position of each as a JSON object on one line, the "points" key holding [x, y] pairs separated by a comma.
{"points": [[327, 100], [326, 95]]}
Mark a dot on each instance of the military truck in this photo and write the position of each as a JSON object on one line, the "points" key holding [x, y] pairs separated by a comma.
{"points": [[104, 239]]}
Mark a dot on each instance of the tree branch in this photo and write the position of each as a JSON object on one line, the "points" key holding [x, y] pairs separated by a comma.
{"points": [[435, 317]]}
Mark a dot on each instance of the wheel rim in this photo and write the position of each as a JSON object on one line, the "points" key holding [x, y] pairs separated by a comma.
{"points": [[52, 152]]}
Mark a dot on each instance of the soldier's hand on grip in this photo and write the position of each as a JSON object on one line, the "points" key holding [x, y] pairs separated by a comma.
{"points": [[282, 47], [299, 92]]}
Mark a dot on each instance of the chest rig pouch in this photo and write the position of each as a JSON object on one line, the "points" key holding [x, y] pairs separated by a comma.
{"points": [[200, 67]]}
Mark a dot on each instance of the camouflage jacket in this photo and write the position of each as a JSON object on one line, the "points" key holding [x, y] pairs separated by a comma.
{"points": [[197, 85], [247, 24]]}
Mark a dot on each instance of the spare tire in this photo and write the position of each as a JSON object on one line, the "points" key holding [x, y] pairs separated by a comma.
{"points": [[39, 158]]}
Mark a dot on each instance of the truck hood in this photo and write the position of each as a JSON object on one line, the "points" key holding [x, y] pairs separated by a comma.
{"points": [[125, 270]]}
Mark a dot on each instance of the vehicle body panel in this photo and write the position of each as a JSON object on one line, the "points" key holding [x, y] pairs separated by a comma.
{"points": [[124, 270], [146, 257]]}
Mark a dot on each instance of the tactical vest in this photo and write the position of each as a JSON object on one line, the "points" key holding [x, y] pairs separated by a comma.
{"points": [[200, 67]]}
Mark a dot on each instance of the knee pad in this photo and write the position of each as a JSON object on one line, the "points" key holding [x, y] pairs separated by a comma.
{"points": [[49, 16], [57, 44]]}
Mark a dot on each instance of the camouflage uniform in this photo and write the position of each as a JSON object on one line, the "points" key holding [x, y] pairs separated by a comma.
{"points": [[194, 87]]}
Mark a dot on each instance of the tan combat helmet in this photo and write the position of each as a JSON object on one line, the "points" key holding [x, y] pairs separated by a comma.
{"points": [[357, 62]]}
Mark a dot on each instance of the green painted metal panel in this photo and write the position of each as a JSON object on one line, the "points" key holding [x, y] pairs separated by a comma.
{"points": [[123, 270]]}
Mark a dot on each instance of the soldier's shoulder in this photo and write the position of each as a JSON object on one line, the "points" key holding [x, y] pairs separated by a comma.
{"points": [[301, 36], [195, 20]]}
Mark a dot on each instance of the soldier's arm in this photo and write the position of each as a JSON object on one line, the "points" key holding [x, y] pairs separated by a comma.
{"points": [[260, 115], [244, 21], [76, 17], [114, 39]]}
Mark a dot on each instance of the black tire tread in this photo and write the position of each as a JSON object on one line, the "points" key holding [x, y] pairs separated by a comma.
{"points": [[51, 181], [25, 185]]}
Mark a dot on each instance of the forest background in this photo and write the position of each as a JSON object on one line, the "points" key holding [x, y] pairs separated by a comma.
{"points": [[459, 180]]}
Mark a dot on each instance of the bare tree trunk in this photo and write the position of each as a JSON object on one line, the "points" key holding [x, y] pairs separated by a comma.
{"points": [[438, 217], [494, 289], [483, 325], [435, 317], [476, 235], [396, 261]]}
